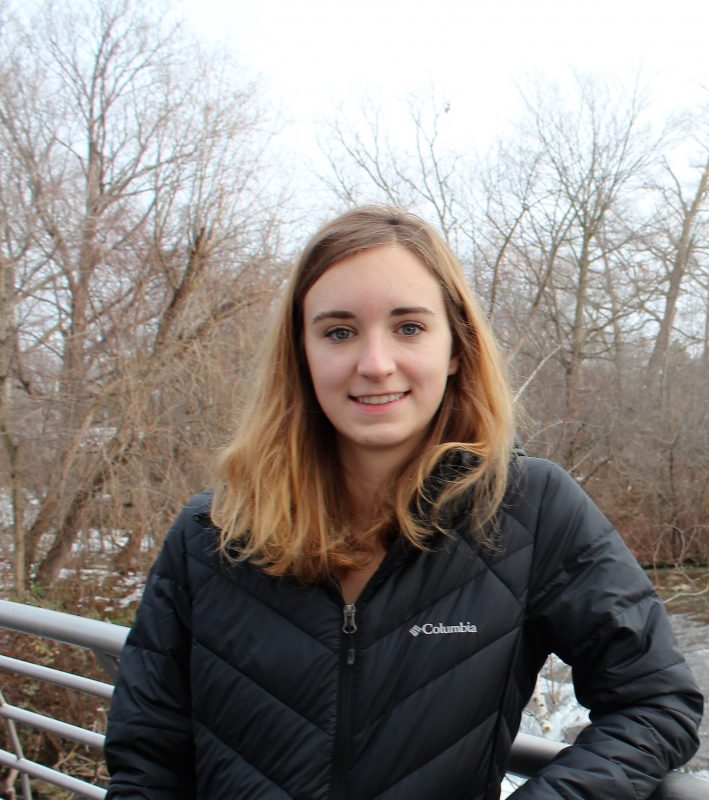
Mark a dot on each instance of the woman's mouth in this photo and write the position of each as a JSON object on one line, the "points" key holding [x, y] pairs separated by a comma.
{"points": [[379, 399]]}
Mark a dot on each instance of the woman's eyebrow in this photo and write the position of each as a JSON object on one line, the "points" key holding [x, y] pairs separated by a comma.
{"points": [[403, 310], [332, 315], [400, 311]]}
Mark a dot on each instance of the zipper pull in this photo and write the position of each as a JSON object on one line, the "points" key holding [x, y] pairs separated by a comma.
{"points": [[349, 627]]}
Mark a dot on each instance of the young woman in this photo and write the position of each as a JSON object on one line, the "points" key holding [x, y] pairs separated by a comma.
{"points": [[361, 609]]}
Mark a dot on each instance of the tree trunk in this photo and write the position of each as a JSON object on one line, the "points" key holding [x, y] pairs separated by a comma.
{"points": [[656, 369]]}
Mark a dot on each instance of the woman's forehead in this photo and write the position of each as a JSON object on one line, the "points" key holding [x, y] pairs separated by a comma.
{"points": [[388, 276]]}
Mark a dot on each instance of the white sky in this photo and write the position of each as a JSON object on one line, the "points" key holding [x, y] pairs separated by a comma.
{"points": [[314, 55]]}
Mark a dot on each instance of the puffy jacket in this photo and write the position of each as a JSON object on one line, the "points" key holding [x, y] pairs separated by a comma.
{"points": [[237, 684]]}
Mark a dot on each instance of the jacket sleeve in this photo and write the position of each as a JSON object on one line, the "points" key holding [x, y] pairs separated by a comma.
{"points": [[148, 747], [593, 606]]}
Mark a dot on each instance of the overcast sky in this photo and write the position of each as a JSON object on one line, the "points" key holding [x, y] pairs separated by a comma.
{"points": [[312, 54]]}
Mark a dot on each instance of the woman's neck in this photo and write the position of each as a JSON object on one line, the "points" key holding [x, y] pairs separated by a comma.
{"points": [[352, 581], [367, 477]]}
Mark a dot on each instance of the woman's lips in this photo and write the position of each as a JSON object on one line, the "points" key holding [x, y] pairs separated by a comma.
{"points": [[379, 399]]}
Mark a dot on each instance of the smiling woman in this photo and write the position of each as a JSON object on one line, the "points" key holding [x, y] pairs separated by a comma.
{"points": [[361, 609]]}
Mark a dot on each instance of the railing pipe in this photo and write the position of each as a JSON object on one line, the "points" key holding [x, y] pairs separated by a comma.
{"points": [[681, 786], [56, 676], [530, 753], [68, 628], [64, 729], [34, 770]]}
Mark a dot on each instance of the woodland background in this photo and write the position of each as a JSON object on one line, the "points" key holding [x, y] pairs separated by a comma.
{"points": [[148, 219]]}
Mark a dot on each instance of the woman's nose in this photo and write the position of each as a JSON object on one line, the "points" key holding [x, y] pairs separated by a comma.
{"points": [[376, 359]]}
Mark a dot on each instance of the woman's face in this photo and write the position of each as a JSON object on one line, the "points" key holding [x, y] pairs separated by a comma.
{"points": [[379, 350]]}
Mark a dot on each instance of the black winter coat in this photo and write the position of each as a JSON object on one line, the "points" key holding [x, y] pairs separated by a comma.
{"points": [[235, 684]]}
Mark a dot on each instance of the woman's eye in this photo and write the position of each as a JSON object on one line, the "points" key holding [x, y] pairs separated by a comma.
{"points": [[410, 328], [338, 334]]}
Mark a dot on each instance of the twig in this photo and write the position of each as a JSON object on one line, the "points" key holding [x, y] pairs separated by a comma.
{"points": [[686, 594]]}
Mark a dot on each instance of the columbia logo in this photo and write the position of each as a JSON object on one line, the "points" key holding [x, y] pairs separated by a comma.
{"points": [[439, 628]]}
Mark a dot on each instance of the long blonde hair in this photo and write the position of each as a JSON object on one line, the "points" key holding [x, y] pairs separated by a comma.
{"points": [[278, 497]]}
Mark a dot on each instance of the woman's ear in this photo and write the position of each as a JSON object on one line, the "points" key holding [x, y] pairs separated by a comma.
{"points": [[453, 364]]}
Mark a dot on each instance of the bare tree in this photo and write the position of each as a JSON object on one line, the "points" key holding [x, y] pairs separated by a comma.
{"points": [[365, 161], [679, 237], [594, 158], [150, 229]]}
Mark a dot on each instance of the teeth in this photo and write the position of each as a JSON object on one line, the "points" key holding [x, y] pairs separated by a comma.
{"points": [[380, 399]]}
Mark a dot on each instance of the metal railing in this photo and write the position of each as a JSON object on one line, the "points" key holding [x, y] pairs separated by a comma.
{"points": [[106, 640]]}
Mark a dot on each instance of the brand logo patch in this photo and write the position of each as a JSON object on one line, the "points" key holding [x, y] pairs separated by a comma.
{"points": [[429, 628]]}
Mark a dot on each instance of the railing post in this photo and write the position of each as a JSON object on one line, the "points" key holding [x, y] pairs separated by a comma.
{"points": [[17, 747]]}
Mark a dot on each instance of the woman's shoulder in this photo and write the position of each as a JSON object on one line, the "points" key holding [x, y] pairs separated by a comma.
{"points": [[544, 497], [197, 510], [192, 534], [562, 520], [533, 480]]}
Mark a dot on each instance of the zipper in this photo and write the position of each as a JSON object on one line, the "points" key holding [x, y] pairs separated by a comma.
{"points": [[341, 755], [349, 628], [340, 752]]}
